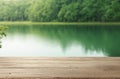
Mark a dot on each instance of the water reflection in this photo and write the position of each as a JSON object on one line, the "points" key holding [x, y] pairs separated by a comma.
{"points": [[56, 40]]}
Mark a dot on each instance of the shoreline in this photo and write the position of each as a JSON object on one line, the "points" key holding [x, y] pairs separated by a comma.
{"points": [[59, 23]]}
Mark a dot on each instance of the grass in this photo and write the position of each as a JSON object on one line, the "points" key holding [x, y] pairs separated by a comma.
{"points": [[59, 23]]}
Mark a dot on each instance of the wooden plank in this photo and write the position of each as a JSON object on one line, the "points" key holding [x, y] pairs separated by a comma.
{"points": [[59, 68]]}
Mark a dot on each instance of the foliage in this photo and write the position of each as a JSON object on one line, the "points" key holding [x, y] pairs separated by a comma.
{"points": [[2, 33], [60, 10]]}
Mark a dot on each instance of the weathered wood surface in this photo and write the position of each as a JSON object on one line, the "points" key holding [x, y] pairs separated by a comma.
{"points": [[59, 68]]}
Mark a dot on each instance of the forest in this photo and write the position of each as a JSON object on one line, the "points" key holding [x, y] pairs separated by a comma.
{"points": [[60, 10]]}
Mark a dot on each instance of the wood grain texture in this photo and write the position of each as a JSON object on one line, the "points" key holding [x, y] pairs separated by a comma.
{"points": [[59, 68]]}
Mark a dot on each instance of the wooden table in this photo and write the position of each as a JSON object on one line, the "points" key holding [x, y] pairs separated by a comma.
{"points": [[59, 68]]}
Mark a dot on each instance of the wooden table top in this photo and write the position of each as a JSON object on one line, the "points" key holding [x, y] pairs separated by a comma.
{"points": [[59, 68]]}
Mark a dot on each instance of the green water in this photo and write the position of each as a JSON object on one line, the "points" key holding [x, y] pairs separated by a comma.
{"points": [[61, 41]]}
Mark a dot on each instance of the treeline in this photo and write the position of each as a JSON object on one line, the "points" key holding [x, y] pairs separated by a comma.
{"points": [[60, 10]]}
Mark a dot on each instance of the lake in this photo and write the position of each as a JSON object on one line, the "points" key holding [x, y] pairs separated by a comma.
{"points": [[61, 41]]}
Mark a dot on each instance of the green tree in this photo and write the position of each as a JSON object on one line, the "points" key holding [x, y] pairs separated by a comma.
{"points": [[60, 10]]}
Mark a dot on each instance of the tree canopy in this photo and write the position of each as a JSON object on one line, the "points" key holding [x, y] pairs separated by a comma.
{"points": [[60, 10]]}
